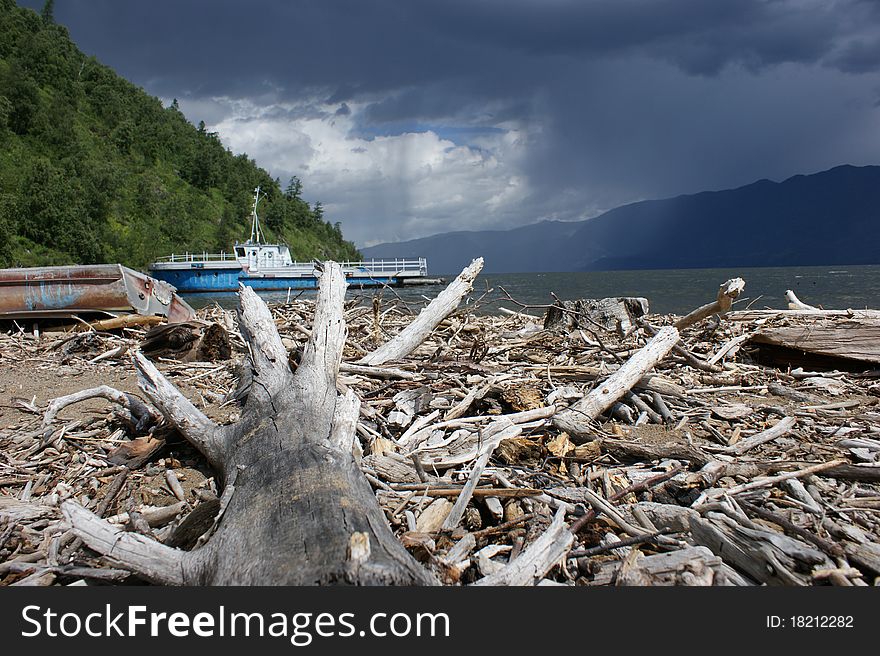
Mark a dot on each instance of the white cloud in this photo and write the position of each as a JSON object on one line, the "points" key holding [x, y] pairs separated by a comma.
{"points": [[383, 188]]}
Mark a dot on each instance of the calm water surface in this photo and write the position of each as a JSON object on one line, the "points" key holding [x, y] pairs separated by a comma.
{"points": [[668, 291]]}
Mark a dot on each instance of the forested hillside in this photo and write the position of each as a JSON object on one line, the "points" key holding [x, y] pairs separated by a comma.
{"points": [[93, 169]]}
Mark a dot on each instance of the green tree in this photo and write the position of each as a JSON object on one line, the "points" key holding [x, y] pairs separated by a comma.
{"points": [[58, 127], [23, 93], [54, 214], [48, 13], [5, 112], [276, 216], [294, 189], [7, 228], [123, 136]]}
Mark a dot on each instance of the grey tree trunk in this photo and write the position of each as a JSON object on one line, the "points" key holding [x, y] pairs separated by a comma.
{"points": [[296, 508]]}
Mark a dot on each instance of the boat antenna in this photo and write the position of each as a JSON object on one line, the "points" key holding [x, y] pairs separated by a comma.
{"points": [[256, 234]]}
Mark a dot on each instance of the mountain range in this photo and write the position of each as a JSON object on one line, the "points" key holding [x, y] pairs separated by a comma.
{"points": [[832, 217]]}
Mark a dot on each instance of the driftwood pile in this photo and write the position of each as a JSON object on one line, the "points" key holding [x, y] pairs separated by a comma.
{"points": [[464, 447]]}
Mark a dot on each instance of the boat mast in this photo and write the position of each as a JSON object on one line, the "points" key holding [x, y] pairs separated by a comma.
{"points": [[256, 234]]}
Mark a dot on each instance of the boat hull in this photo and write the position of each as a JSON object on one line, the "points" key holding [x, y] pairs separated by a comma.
{"points": [[227, 280], [102, 289]]}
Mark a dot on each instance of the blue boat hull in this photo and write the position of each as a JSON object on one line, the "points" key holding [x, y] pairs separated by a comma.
{"points": [[206, 280]]}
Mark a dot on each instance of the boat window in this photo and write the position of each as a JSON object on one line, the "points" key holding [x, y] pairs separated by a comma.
{"points": [[239, 252]]}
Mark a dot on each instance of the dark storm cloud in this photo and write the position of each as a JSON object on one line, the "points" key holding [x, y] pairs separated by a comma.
{"points": [[860, 56], [353, 47], [699, 36]]}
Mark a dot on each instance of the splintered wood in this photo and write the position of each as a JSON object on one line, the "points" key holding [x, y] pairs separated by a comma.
{"points": [[677, 451]]}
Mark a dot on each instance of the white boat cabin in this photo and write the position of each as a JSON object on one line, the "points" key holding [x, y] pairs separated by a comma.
{"points": [[256, 257]]}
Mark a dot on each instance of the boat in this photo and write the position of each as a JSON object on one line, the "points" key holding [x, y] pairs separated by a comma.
{"points": [[269, 267], [90, 290]]}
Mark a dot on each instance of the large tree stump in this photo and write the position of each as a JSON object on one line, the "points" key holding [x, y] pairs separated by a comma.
{"points": [[296, 508]]}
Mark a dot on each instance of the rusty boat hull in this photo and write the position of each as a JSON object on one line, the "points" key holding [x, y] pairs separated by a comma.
{"points": [[107, 290]]}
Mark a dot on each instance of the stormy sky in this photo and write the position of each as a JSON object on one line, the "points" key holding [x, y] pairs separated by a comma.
{"points": [[407, 118]]}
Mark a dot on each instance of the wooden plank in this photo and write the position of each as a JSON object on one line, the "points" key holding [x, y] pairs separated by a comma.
{"points": [[755, 315], [853, 339]]}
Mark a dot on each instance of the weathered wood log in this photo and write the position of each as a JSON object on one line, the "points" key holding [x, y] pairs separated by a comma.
{"points": [[756, 315], [186, 534], [613, 314], [13, 510], [576, 419], [693, 566], [864, 555], [296, 508], [766, 556], [727, 293], [778, 430], [122, 321], [632, 450], [864, 473], [154, 516], [773, 480], [441, 307], [856, 340], [539, 558], [141, 414]]}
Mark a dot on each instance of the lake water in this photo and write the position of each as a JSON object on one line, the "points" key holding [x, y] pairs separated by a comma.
{"points": [[668, 291]]}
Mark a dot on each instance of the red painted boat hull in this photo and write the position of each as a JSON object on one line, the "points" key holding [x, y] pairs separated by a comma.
{"points": [[108, 289]]}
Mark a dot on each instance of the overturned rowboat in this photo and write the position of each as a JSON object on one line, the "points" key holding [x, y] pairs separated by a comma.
{"points": [[93, 290]]}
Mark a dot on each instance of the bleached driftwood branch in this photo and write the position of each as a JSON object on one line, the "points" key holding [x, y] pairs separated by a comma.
{"points": [[539, 558], [794, 303], [152, 560], [441, 307], [140, 412], [727, 294], [576, 419]]}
